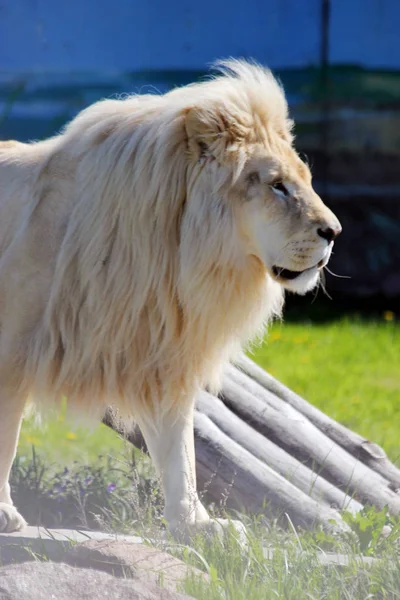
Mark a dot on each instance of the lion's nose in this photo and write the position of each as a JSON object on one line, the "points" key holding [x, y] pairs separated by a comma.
{"points": [[329, 233]]}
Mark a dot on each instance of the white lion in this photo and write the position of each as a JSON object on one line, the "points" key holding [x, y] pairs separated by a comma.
{"points": [[140, 250]]}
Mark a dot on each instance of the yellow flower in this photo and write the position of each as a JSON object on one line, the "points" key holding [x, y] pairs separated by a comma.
{"points": [[71, 435], [388, 315], [300, 339], [275, 335], [32, 440]]}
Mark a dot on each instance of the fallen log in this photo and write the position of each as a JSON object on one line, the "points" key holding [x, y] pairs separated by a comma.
{"points": [[291, 430], [299, 475], [247, 484], [365, 450], [263, 449]]}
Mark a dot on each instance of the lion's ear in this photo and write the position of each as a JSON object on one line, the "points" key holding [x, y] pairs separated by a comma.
{"points": [[200, 131], [212, 130]]}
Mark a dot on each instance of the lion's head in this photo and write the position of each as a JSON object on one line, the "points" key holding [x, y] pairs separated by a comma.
{"points": [[241, 146]]}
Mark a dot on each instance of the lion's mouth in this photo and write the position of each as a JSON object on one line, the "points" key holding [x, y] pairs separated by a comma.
{"points": [[282, 273], [286, 273]]}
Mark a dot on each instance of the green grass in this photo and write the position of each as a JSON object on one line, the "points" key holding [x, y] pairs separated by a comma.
{"points": [[349, 368], [63, 443], [294, 571]]}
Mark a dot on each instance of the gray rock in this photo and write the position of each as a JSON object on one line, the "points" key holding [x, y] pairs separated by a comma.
{"points": [[51, 544], [58, 581], [143, 563], [120, 555]]}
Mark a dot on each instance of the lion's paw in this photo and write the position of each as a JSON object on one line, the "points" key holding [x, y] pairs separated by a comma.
{"points": [[213, 528], [10, 519]]}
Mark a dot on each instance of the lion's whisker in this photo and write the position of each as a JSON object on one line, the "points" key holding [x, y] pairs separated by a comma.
{"points": [[336, 275], [322, 284]]}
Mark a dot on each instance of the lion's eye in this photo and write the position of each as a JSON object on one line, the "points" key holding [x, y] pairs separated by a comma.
{"points": [[279, 187], [253, 178]]}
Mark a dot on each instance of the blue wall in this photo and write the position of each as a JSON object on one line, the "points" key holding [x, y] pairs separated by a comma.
{"points": [[366, 32], [121, 35], [155, 34]]}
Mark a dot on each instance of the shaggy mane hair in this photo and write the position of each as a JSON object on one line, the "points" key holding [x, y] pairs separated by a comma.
{"points": [[150, 294]]}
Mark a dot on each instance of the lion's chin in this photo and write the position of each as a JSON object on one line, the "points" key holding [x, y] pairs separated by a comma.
{"points": [[299, 282]]}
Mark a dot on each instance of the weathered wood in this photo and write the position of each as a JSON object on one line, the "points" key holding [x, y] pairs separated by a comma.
{"points": [[246, 483], [366, 451], [262, 448], [302, 477], [291, 430]]}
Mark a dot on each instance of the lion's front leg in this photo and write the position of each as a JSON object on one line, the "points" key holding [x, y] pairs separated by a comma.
{"points": [[170, 442], [11, 409]]}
